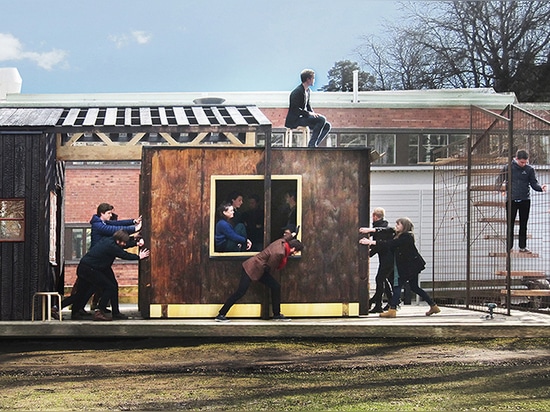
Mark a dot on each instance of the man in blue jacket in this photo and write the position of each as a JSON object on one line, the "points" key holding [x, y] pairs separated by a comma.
{"points": [[104, 226]]}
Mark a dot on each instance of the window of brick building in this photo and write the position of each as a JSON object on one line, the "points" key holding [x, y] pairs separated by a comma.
{"points": [[77, 240]]}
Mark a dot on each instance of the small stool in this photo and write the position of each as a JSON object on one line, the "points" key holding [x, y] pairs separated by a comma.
{"points": [[47, 297], [303, 130]]}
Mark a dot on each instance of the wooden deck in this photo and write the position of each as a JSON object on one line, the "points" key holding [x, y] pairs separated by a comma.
{"points": [[411, 323]]}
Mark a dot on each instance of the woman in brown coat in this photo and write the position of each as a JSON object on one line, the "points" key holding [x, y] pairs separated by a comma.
{"points": [[260, 268]]}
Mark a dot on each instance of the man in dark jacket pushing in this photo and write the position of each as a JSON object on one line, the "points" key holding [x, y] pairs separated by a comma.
{"points": [[261, 267], [94, 269]]}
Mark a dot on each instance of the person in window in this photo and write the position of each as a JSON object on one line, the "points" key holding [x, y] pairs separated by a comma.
{"points": [[229, 238], [300, 112], [253, 219], [235, 198], [523, 179], [290, 208], [405, 269], [261, 268]]}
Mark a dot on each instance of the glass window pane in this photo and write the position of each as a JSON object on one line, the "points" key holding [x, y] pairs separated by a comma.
{"points": [[76, 252], [383, 144], [12, 220], [413, 149], [352, 140]]}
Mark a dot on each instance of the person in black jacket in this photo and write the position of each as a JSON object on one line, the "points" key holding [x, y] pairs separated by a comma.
{"points": [[384, 275], [406, 257], [523, 178], [300, 112], [94, 269]]}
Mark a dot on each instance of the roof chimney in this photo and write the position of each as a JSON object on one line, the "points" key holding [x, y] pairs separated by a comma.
{"points": [[10, 81]]}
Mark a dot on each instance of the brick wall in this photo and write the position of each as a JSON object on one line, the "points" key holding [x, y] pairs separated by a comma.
{"points": [[85, 188], [386, 118]]}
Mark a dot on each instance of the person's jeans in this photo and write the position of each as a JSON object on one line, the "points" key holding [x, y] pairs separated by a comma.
{"points": [[413, 283], [244, 284], [319, 128], [382, 285], [523, 206]]}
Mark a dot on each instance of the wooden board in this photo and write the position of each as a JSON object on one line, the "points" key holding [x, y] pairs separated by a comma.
{"points": [[176, 206]]}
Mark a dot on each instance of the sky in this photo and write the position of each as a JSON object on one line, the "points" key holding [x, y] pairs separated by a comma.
{"points": [[120, 46]]}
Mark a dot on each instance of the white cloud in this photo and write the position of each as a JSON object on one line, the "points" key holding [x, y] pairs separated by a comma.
{"points": [[141, 37], [123, 40], [12, 49]]}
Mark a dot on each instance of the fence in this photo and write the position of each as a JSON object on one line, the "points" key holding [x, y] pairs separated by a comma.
{"points": [[473, 266]]}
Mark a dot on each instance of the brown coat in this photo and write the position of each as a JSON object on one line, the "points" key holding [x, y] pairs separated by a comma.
{"points": [[266, 261]]}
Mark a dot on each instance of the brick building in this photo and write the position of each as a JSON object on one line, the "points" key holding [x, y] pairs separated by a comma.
{"points": [[405, 124]]}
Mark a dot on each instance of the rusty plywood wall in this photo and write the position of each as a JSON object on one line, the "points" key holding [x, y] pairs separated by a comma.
{"points": [[175, 202], [335, 193]]}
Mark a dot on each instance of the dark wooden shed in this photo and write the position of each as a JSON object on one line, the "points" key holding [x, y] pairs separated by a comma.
{"points": [[181, 188], [31, 182]]}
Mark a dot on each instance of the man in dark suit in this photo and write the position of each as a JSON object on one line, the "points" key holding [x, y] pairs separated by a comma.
{"points": [[300, 112]]}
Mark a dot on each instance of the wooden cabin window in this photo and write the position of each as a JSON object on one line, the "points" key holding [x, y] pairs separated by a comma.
{"points": [[12, 220], [286, 205]]}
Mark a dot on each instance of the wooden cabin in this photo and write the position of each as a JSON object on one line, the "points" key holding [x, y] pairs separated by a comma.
{"points": [[186, 277]]}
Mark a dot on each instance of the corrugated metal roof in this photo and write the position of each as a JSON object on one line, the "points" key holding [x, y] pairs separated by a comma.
{"points": [[97, 117]]}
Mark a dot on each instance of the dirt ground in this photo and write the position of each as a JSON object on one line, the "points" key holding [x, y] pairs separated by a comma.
{"points": [[88, 357], [41, 370]]}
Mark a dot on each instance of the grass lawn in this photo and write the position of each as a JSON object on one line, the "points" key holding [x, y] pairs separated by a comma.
{"points": [[239, 375]]}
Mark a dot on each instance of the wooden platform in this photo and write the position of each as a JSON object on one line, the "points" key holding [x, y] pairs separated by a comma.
{"points": [[411, 323], [523, 273], [527, 292]]}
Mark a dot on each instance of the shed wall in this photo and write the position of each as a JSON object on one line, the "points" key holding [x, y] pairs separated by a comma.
{"points": [[176, 200], [28, 171]]}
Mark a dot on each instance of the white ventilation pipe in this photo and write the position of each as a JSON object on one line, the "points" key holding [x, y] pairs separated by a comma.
{"points": [[355, 86], [10, 81]]}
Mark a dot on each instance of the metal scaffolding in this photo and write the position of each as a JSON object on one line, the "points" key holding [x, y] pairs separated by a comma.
{"points": [[473, 266]]}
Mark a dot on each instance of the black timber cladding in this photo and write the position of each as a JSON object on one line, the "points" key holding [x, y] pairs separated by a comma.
{"points": [[130, 117]]}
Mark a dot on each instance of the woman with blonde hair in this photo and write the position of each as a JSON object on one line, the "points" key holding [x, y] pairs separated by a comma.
{"points": [[407, 263]]}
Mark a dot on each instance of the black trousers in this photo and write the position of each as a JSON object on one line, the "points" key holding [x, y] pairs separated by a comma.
{"points": [[383, 284], [523, 207], [96, 280], [244, 284]]}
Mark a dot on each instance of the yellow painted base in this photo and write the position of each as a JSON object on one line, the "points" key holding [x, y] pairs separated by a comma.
{"points": [[306, 310]]}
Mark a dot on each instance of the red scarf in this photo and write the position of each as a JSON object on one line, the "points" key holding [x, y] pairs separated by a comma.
{"points": [[285, 258]]}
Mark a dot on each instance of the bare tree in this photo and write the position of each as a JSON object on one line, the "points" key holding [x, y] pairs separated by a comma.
{"points": [[499, 44]]}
